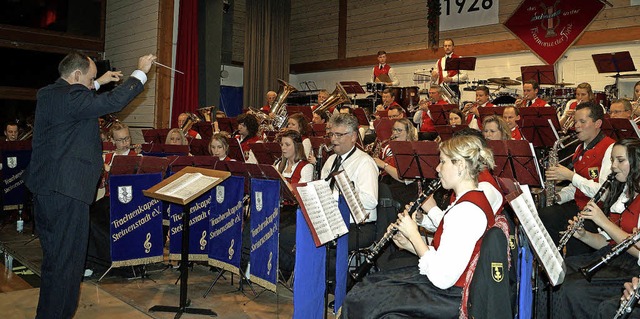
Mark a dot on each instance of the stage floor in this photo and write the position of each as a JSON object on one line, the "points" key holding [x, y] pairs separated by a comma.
{"points": [[118, 297]]}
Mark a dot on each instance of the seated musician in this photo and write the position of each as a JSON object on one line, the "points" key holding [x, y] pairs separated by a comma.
{"points": [[396, 112], [434, 288], [388, 100], [620, 109], [294, 168], [320, 118], [455, 117], [530, 98], [423, 118], [182, 119], [583, 94], [271, 98], [383, 72], [402, 190], [11, 131], [323, 95], [471, 109], [577, 297], [248, 134], [494, 128], [299, 123], [608, 308], [175, 137], [119, 135], [591, 165], [219, 146], [511, 114]]}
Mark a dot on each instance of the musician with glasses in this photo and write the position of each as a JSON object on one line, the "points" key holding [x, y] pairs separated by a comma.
{"points": [[591, 165], [383, 72], [620, 109], [434, 288], [396, 112], [616, 221], [423, 116]]}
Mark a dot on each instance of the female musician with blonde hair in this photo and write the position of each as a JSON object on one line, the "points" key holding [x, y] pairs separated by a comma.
{"points": [[495, 128], [219, 146], [175, 137], [584, 93], [434, 288]]}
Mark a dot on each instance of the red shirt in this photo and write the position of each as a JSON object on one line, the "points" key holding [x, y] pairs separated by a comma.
{"points": [[427, 123], [516, 134], [471, 116], [537, 103]]}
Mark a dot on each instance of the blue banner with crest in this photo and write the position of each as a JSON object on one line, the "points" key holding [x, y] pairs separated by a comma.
{"points": [[225, 224], [136, 220], [199, 210], [265, 218], [13, 164]]}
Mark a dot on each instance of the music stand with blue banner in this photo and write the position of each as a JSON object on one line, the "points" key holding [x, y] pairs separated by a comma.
{"points": [[15, 157], [182, 188]]}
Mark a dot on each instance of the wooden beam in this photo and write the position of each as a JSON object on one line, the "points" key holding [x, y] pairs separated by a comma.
{"points": [[21, 37], [476, 49], [18, 93], [165, 49], [342, 29]]}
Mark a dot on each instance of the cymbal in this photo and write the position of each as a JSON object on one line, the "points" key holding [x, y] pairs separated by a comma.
{"points": [[503, 81], [626, 76]]}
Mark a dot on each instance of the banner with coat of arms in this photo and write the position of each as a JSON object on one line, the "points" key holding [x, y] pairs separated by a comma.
{"points": [[225, 225], [136, 220], [14, 162], [265, 220], [550, 27], [199, 210]]}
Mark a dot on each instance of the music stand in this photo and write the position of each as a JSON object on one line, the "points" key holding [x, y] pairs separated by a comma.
{"points": [[319, 129], [235, 150], [383, 128], [446, 131], [125, 165], [440, 113], [614, 62], [619, 129], [286, 193], [108, 147], [416, 159], [266, 153], [205, 161], [543, 74], [382, 114], [179, 163], [490, 111], [151, 164], [157, 136], [228, 124], [539, 131], [462, 63], [204, 128], [200, 147], [361, 116], [516, 160], [305, 110]]}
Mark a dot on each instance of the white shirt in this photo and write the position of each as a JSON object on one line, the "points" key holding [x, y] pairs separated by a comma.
{"points": [[306, 144], [465, 223], [363, 172], [455, 79], [136, 74], [306, 174], [588, 186]]}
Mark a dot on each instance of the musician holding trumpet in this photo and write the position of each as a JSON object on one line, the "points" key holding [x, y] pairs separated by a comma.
{"points": [[434, 288], [578, 296], [583, 94], [470, 110], [530, 98]]}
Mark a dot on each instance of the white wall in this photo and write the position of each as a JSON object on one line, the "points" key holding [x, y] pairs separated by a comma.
{"points": [[235, 76]]}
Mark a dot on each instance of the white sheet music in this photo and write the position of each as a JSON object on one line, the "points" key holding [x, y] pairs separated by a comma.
{"points": [[358, 212], [543, 245], [325, 218], [187, 185]]}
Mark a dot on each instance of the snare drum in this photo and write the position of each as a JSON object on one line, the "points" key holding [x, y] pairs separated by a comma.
{"points": [[375, 87]]}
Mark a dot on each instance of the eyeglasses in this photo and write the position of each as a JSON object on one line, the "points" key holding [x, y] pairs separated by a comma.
{"points": [[124, 139], [337, 135], [397, 130]]}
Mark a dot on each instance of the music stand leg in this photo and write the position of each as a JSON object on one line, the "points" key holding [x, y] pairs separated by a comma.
{"points": [[184, 276], [213, 284]]}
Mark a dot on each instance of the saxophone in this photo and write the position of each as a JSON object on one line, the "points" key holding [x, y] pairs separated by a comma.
{"points": [[550, 185], [372, 254]]}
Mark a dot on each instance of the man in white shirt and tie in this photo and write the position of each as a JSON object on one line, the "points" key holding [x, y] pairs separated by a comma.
{"points": [[440, 75]]}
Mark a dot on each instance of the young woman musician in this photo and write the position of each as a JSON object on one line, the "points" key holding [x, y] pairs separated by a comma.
{"points": [[175, 137], [248, 127], [434, 288], [583, 94], [293, 164], [299, 123], [577, 297], [495, 128], [219, 146], [455, 117]]}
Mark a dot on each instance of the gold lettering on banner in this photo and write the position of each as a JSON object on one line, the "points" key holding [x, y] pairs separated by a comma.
{"points": [[203, 240], [147, 244], [231, 251], [269, 265]]}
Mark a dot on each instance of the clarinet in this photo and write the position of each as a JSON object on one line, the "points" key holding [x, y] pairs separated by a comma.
{"points": [[624, 311], [378, 247], [616, 251], [580, 223]]}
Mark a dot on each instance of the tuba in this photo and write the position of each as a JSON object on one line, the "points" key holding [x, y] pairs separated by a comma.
{"points": [[205, 112], [191, 119], [338, 96], [279, 108]]}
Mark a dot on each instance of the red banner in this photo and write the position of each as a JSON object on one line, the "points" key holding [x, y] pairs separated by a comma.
{"points": [[550, 27]]}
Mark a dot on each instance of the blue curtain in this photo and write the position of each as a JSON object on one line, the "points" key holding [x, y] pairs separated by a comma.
{"points": [[231, 100]]}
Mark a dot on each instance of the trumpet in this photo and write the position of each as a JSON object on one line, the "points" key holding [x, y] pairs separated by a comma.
{"points": [[580, 223], [626, 306], [570, 120], [616, 251], [372, 254]]}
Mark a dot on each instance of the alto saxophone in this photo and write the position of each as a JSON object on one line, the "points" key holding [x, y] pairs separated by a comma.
{"points": [[550, 185], [378, 247], [580, 223]]}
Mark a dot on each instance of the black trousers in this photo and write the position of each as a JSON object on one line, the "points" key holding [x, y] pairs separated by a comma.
{"points": [[556, 219], [63, 224]]}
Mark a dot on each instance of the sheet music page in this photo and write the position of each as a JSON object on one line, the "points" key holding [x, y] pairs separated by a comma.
{"points": [[187, 185], [331, 210], [353, 201], [315, 211], [543, 245], [535, 160]]}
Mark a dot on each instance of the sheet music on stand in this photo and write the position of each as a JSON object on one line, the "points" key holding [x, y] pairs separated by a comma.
{"points": [[545, 250], [358, 213]]}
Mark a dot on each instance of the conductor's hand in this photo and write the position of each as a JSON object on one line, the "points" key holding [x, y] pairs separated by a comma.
{"points": [[110, 76], [559, 173], [145, 62]]}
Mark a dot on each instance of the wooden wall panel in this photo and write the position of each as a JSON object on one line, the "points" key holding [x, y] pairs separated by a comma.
{"points": [[314, 30]]}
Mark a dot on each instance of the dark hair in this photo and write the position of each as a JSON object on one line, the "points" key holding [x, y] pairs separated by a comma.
{"points": [[73, 61], [459, 114], [345, 107], [633, 180], [324, 116], [397, 108], [448, 39], [250, 121], [12, 123], [381, 52], [472, 132], [533, 83], [483, 89], [303, 124], [390, 92], [297, 144], [597, 113]]}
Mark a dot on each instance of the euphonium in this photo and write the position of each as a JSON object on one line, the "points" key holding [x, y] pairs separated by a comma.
{"points": [[378, 247], [26, 134], [580, 223], [279, 108], [188, 123], [205, 112], [634, 111], [338, 96]]}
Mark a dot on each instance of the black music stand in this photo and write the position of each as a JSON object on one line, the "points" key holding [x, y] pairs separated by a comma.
{"points": [[440, 113], [235, 150], [266, 153], [416, 159], [446, 131], [352, 87], [539, 131], [305, 110], [614, 62], [383, 128], [619, 129], [543, 74], [227, 124], [516, 160]]}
